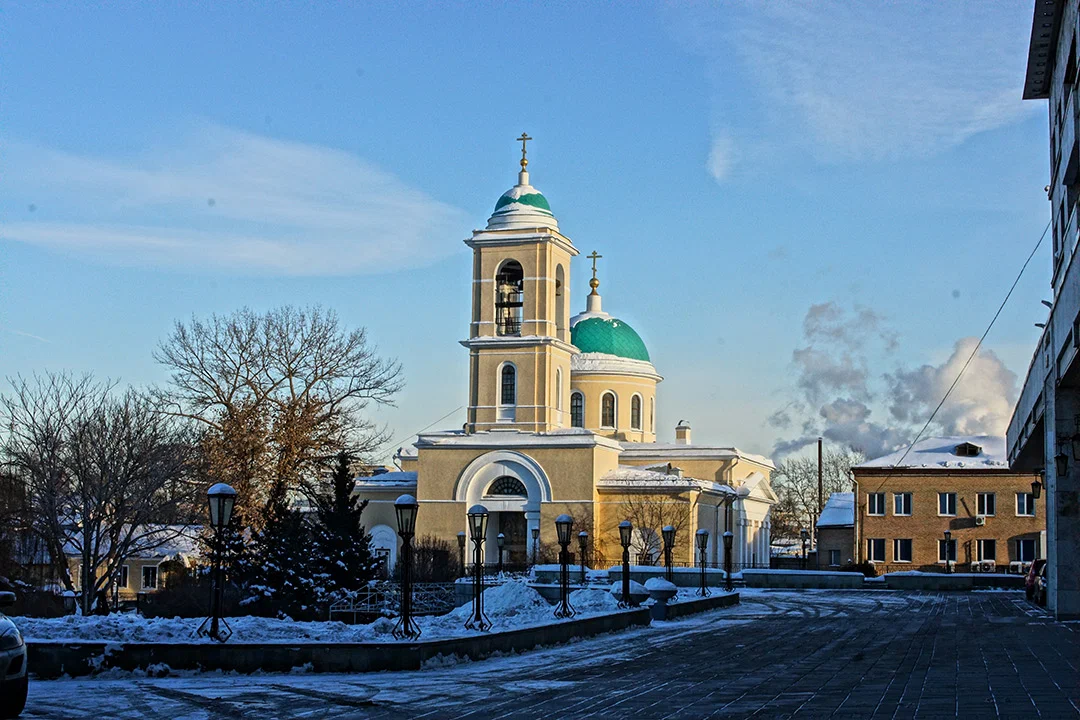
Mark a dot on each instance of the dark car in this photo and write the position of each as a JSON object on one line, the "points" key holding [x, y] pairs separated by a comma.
{"points": [[13, 677], [1029, 579]]}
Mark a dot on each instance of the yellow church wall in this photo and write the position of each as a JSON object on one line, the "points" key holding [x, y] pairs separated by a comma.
{"points": [[594, 385], [538, 403]]}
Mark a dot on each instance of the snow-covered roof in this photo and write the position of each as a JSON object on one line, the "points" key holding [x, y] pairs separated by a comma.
{"points": [[631, 477], [164, 541], [512, 438], [677, 450], [839, 511], [397, 479], [606, 364], [940, 453]]}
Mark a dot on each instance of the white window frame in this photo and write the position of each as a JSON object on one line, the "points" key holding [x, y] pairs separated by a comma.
{"points": [[899, 497], [582, 396], [1034, 549], [834, 554], [942, 559], [982, 543], [142, 577], [507, 412], [614, 414], [870, 503], [950, 495], [870, 546], [981, 504], [1029, 504], [641, 412], [896, 550], [125, 577]]}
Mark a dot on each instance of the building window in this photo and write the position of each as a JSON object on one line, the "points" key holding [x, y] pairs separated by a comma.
{"points": [[987, 549], [123, 582], [834, 558], [875, 503], [987, 503], [507, 486], [149, 577], [902, 503], [558, 391], [652, 414], [560, 301], [901, 550], [1025, 505], [946, 551], [509, 298], [946, 503], [875, 550], [577, 410], [1025, 549], [635, 412], [607, 410]]}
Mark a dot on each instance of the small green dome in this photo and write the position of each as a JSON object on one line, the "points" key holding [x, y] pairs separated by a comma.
{"points": [[608, 335], [533, 199]]}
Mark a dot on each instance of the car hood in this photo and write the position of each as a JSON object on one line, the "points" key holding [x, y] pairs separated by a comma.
{"points": [[6, 624]]}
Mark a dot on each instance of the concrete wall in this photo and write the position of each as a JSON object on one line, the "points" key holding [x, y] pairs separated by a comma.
{"points": [[801, 579]]}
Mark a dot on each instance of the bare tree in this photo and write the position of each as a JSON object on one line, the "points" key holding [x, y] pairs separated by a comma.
{"points": [[649, 511], [795, 483], [106, 477], [277, 394]]}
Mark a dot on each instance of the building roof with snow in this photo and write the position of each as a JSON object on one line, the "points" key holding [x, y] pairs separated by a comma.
{"points": [[839, 511], [967, 453]]}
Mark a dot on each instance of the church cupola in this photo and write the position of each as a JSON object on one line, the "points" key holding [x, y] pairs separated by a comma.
{"points": [[519, 337]]}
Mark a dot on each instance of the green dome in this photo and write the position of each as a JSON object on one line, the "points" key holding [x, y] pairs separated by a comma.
{"points": [[610, 336], [533, 199]]}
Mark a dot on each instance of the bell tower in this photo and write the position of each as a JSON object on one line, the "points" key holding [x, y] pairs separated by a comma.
{"points": [[519, 336]]}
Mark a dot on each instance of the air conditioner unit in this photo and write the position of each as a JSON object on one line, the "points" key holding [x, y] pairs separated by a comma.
{"points": [[1016, 568], [980, 520], [975, 567], [988, 566]]}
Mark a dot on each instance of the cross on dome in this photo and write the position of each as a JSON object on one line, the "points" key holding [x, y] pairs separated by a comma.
{"points": [[524, 139], [594, 283]]}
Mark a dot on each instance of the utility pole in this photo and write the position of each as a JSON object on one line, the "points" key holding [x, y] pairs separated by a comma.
{"points": [[820, 490]]}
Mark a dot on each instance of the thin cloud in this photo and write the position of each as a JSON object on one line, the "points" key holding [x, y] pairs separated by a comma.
{"points": [[227, 200], [861, 81]]}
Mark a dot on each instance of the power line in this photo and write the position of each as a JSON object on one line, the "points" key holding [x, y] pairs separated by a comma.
{"points": [[390, 445], [977, 346]]}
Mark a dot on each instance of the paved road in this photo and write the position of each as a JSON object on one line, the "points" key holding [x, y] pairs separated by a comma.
{"points": [[814, 654]]}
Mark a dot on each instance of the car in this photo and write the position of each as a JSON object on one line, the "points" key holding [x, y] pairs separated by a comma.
{"points": [[1041, 582], [1032, 574], [13, 677]]}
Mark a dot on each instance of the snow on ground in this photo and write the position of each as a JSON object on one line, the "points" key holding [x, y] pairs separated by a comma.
{"points": [[509, 606]]}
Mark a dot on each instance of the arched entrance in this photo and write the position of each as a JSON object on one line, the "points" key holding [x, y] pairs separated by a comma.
{"points": [[511, 485]]}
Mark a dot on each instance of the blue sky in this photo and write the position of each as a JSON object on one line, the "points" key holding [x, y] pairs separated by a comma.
{"points": [[747, 170]]}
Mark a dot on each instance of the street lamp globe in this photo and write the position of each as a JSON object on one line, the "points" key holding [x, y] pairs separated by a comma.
{"points": [[702, 538], [461, 540], [804, 534], [626, 530], [535, 534], [500, 540], [583, 541], [405, 507], [478, 516], [222, 498], [669, 535], [1036, 489], [564, 524]]}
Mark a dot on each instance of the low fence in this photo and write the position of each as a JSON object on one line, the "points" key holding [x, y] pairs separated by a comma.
{"points": [[384, 598]]}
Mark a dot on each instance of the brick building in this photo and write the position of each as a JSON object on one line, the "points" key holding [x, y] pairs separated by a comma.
{"points": [[959, 484], [836, 531]]}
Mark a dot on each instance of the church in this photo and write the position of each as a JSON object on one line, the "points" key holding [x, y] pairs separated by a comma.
{"points": [[561, 419]]}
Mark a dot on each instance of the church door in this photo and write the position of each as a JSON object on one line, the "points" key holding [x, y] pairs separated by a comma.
{"points": [[512, 525]]}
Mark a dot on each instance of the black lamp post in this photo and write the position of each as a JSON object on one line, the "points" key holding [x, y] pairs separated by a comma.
{"points": [[702, 537], [536, 542], [564, 524], [1036, 489], [478, 517], [221, 499], [626, 530], [583, 547], [500, 540], [948, 548], [1061, 463], [405, 507], [804, 535], [461, 550], [668, 532], [728, 539]]}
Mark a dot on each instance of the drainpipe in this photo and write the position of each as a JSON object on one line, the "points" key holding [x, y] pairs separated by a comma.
{"points": [[858, 525]]}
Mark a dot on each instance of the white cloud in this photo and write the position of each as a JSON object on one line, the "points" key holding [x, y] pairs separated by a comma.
{"points": [[855, 81], [721, 157], [235, 201]]}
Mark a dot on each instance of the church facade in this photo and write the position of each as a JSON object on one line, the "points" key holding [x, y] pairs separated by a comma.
{"points": [[561, 419]]}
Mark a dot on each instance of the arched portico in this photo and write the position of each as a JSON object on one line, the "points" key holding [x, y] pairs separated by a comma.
{"points": [[477, 485]]}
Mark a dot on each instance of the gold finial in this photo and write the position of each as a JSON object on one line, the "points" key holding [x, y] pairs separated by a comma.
{"points": [[594, 283], [524, 139]]}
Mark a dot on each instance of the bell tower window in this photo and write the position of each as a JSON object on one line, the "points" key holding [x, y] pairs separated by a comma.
{"points": [[509, 298], [607, 410], [577, 410]]}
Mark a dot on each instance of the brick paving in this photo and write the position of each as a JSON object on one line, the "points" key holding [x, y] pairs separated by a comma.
{"points": [[815, 654]]}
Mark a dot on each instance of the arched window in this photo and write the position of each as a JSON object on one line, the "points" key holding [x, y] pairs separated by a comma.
{"points": [[577, 410], [558, 392], [652, 416], [508, 386], [635, 412], [507, 486], [607, 410], [509, 298], [560, 301]]}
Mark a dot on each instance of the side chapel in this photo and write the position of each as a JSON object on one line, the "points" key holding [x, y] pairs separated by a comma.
{"points": [[561, 419]]}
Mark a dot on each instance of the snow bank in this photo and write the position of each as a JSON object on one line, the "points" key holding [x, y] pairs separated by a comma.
{"points": [[657, 583], [592, 601]]}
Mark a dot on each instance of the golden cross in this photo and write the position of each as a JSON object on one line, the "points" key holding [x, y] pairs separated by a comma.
{"points": [[524, 139], [594, 257]]}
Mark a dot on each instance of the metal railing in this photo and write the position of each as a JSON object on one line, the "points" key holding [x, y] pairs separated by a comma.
{"points": [[384, 598]]}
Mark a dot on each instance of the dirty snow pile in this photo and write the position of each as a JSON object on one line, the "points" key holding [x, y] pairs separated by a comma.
{"points": [[508, 606]]}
